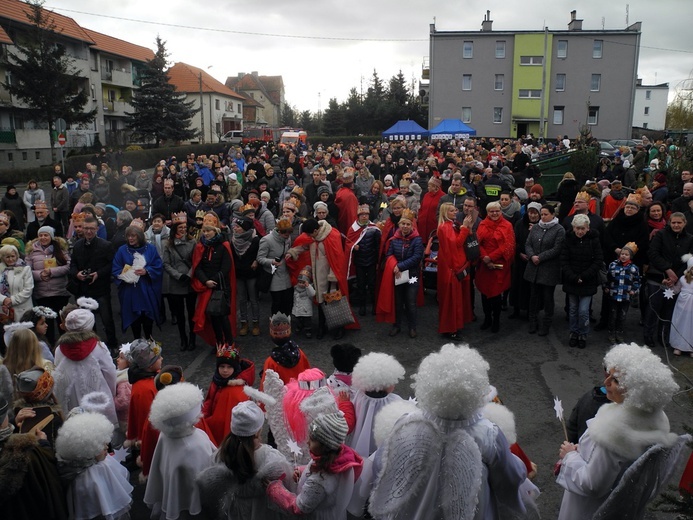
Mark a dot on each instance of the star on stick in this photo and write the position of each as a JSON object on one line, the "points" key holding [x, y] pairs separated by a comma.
{"points": [[669, 294], [413, 280], [294, 448], [120, 454], [274, 269], [558, 407]]}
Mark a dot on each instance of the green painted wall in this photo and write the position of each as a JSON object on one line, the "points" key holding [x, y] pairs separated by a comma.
{"points": [[529, 77]]}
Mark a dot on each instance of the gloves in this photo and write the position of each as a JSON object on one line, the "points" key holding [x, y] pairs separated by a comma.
{"points": [[281, 496]]}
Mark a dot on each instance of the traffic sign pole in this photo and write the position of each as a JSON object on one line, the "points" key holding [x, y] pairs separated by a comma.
{"points": [[61, 142]]}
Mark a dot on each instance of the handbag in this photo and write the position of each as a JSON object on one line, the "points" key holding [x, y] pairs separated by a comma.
{"points": [[471, 247], [219, 304], [337, 310], [264, 280]]}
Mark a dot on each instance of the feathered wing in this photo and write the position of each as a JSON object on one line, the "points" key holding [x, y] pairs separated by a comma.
{"points": [[274, 386], [410, 455], [643, 480], [460, 476]]}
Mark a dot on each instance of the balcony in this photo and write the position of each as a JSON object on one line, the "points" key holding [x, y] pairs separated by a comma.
{"points": [[7, 137], [120, 77], [116, 108]]}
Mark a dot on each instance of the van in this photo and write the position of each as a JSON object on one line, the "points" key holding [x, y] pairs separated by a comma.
{"points": [[233, 137], [292, 139]]}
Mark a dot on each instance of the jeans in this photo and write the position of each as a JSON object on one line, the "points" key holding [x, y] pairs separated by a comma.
{"points": [[579, 314], [246, 291], [405, 299]]}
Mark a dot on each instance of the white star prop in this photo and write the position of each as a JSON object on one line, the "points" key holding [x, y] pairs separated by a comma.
{"points": [[412, 399], [120, 454], [669, 294], [558, 406], [413, 280], [274, 268], [294, 448]]}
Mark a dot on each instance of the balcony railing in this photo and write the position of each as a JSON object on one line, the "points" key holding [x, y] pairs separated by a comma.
{"points": [[8, 137]]}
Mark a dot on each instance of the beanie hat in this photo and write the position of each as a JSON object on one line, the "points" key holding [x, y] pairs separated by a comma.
{"points": [[345, 356], [660, 178], [143, 353], [376, 371], [47, 229], [167, 376], [388, 177], [245, 223], [534, 205], [265, 195], [79, 320], [233, 177], [319, 205], [329, 429], [415, 189], [521, 194], [537, 189], [246, 419], [35, 384], [280, 325], [323, 189]]}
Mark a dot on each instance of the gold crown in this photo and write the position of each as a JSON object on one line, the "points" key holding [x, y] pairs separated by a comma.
{"points": [[179, 218], [248, 208], [200, 213], [583, 196], [408, 214], [632, 247]]}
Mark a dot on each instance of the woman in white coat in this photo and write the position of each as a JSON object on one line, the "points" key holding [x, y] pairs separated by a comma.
{"points": [[16, 283], [638, 385]]}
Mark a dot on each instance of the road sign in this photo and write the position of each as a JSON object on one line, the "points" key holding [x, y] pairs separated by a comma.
{"points": [[62, 140], [60, 125]]}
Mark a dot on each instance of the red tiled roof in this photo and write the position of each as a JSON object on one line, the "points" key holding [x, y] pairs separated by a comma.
{"points": [[249, 101], [270, 86], [273, 85], [186, 78], [112, 45], [18, 11], [4, 37]]}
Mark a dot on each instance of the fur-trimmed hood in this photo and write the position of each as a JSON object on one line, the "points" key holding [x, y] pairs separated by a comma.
{"points": [[16, 452], [629, 431], [77, 345]]}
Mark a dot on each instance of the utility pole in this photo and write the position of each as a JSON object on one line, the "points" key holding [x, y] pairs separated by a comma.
{"points": [[202, 111]]}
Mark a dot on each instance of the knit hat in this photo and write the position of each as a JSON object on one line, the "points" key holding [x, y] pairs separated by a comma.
{"points": [[329, 429], [537, 189], [265, 195], [376, 371], [47, 229], [280, 325], [521, 194], [534, 205], [583, 196], [306, 275], [176, 409], [345, 356], [323, 189], [143, 353], [632, 247], [228, 355], [415, 189], [634, 199], [167, 376], [660, 178], [388, 177], [233, 177], [246, 419], [319, 205], [35, 384], [616, 184], [245, 223], [79, 320], [363, 209], [284, 224]]}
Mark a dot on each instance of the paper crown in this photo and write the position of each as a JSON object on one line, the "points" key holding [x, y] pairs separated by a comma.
{"points": [[290, 205], [138, 223], [364, 209], [644, 190], [583, 196], [199, 214], [248, 208], [635, 199], [632, 247], [40, 204], [78, 217], [408, 214], [280, 325], [227, 352], [179, 218]]}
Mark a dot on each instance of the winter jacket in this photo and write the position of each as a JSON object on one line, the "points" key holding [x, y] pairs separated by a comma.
{"points": [[30, 197], [303, 301], [16, 206], [177, 262], [581, 259], [408, 251], [666, 250], [546, 243], [56, 285], [274, 246], [168, 205], [243, 262], [623, 229], [265, 217], [96, 256], [622, 279], [21, 286], [60, 199]]}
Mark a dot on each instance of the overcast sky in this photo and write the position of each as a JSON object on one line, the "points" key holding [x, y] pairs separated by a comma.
{"points": [[322, 48]]}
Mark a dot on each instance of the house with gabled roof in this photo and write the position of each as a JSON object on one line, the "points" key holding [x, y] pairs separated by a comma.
{"points": [[266, 90], [221, 108]]}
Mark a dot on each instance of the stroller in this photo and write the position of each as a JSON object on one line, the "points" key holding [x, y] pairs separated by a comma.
{"points": [[144, 203]]}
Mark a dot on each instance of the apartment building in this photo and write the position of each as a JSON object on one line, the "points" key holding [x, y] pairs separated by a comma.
{"points": [[266, 91], [650, 107], [551, 82]]}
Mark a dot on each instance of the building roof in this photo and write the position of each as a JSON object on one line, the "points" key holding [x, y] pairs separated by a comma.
{"points": [[111, 45], [17, 11], [661, 85], [248, 82], [274, 86], [186, 78], [250, 101], [4, 37]]}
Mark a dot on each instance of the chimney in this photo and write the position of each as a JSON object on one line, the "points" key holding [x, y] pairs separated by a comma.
{"points": [[487, 23], [638, 82], [241, 75], [254, 73], [575, 24]]}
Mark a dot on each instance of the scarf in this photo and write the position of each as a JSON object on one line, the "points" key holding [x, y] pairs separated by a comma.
{"points": [[656, 225], [548, 225], [222, 382], [346, 460], [241, 241], [211, 241]]}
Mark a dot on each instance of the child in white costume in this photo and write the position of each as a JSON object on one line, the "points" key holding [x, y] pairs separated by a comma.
{"points": [[97, 484], [681, 335], [181, 453]]}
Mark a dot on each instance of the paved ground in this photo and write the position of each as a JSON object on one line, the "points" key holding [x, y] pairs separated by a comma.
{"points": [[527, 370]]}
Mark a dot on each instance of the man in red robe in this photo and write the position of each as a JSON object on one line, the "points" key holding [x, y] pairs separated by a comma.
{"points": [[346, 202]]}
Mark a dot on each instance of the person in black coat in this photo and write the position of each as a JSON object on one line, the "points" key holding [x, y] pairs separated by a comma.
{"points": [[581, 260], [565, 194], [585, 409], [521, 288]]}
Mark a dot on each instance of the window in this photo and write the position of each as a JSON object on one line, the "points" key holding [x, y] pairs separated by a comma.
{"points": [[10, 156], [498, 82], [37, 155], [111, 96], [530, 94], [593, 116], [647, 111], [560, 82], [500, 49], [217, 128], [562, 49], [217, 104], [648, 93], [644, 125], [597, 48], [596, 82], [468, 50], [25, 156], [239, 107], [558, 115], [466, 114], [531, 60], [497, 114], [8, 78], [466, 82]]}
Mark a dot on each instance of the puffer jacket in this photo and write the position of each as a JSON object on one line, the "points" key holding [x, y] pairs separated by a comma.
{"points": [[408, 251], [56, 285], [581, 259], [546, 243]]}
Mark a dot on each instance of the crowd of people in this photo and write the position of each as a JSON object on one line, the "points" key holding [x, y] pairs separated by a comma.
{"points": [[346, 229]]}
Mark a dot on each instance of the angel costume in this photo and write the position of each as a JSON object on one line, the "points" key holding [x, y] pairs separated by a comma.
{"points": [[367, 405], [681, 322], [102, 490]]}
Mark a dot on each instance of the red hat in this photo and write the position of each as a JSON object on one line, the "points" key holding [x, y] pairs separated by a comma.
{"points": [[537, 189]]}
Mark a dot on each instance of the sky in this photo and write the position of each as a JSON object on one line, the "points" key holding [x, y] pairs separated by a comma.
{"points": [[323, 48]]}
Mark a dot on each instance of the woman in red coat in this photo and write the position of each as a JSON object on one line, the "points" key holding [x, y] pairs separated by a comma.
{"points": [[497, 247], [454, 308], [428, 214]]}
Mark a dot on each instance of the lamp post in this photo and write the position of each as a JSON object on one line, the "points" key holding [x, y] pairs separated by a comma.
{"points": [[202, 112]]}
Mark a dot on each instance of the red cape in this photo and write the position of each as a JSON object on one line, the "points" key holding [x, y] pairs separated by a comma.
{"points": [[428, 214], [385, 310], [285, 374], [454, 300], [294, 266], [143, 393], [354, 236], [348, 206], [335, 257], [203, 328], [497, 241]]}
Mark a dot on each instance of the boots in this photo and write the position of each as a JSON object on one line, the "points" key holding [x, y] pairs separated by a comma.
{"points": [[488, 321], [192, 341], [533, 324], [256, 329], [183, 343], [244, 329], [545, 326]]}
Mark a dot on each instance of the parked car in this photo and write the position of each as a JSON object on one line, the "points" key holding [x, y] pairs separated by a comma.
{"points": [[233, 137], [606, 149], [631, 143]]}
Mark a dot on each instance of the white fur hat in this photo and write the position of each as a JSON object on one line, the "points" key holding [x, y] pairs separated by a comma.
{"points": [[176, 409], [452, 383], [387, 417], [376, 371], [79, 319], [246, 419], [83, 436], [96, 402], [648, 383]]}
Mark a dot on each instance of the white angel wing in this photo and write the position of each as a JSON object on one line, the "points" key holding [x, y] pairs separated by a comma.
{"points": [[410, 455], [460, 476], [274, 386]]}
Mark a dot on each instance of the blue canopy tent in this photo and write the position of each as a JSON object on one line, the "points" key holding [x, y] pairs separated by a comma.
{"points": [[451, 129], [405, 131]]}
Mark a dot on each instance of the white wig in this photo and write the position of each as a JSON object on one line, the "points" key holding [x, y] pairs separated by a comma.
{"points": [[376, 371], [83, 436], [387, 417], [648, 384], [176, 409], [503, 418], [453, 383]]}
